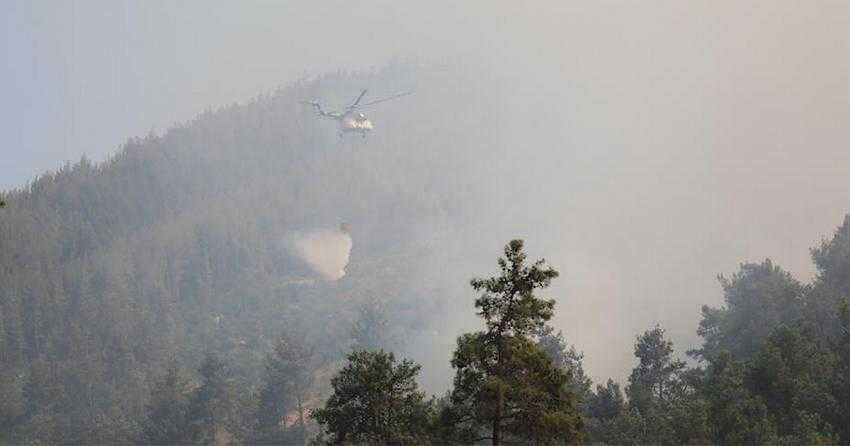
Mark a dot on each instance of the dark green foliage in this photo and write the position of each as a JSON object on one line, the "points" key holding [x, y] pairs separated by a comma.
{"points": [[665, 405], [287, 382], [211, 412], [607, 402], [841, 382], [735, 415], [832, 259], [792, 375], [506, 387], [783, 395], [656, 381], [831, 288], [661, 410], [569, 360], [775, 354], [604, 409], [376, 400], [507, 303], [168, 409], [759, 297], [537, 402], [828, 315]]}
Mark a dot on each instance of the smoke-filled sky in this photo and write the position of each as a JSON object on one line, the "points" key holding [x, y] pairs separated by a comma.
{"points": [[668, 140]]}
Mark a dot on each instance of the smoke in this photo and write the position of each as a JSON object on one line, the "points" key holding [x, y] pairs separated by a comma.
{"points": [[641, 149], [325, 251]]}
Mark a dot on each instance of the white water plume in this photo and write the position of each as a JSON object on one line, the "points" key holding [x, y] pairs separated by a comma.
{"points": [[326, 251]]}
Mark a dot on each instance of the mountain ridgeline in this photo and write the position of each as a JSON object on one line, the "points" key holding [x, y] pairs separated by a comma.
{"points": [[155, 298]]}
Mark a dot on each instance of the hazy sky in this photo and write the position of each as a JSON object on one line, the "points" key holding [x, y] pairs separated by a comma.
{"points": [[79, 77], [681, 138]]}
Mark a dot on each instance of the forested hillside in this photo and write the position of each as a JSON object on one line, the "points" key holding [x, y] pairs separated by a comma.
{"points": [[175, 246], [152, 298]]}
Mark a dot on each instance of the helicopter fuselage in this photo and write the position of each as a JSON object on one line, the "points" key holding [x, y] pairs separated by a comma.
{"points": [[351, 122], [355, 122]]}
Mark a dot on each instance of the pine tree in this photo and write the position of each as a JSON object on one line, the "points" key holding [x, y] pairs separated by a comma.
{"points": [[568, 359], [655, 381], [655, 385], [603, 410], [758, 298], [211, 408], [376, 400], [506, 387], [791, 374], [735, 416], [167, 410], [287, 382], [841, 380]]}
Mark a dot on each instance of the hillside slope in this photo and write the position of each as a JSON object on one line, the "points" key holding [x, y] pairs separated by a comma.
{"points": [[176, 245]]}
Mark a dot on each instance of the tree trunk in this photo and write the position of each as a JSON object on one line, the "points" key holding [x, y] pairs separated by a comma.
{"points": [[301, 421], [500, 395], [497, 421]]}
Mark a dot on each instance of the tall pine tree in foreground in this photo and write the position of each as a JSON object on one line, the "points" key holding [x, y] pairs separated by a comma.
{"points": [[506, 387]]}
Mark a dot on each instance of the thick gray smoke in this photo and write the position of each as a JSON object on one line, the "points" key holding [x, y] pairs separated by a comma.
{"points": [[641, 147], [325, 251]]}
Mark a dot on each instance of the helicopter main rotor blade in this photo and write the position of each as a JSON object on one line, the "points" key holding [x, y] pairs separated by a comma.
{"points": [[383, 99], [357, 101]]}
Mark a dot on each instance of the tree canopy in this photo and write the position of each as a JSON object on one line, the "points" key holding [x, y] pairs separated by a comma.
{"points": [[375, 400], [506, 386], [152, 298]]}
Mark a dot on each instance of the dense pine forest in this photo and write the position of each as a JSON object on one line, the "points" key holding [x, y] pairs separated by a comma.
{"points": [[152, 299]]}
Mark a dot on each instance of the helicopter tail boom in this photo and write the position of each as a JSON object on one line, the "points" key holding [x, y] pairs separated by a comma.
{"points": [[316, 106]]}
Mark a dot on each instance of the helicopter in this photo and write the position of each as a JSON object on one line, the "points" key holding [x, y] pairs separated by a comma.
{"points": [[351, 120]]}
